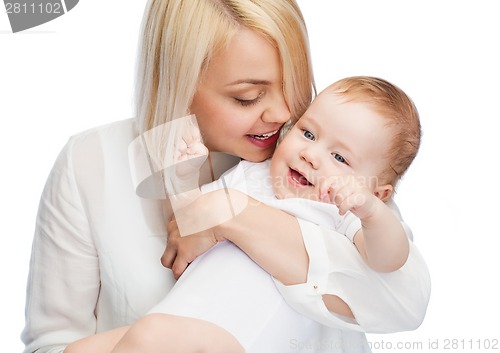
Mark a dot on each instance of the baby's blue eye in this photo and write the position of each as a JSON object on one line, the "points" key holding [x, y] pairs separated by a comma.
{"points": [[308, 135], [339, 158]]}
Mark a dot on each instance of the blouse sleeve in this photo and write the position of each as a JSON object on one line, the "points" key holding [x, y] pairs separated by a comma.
{"points": [[380, 302], [63, 283]]}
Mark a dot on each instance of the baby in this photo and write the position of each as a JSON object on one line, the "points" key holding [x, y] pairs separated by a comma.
{"points": [[337, 167]]}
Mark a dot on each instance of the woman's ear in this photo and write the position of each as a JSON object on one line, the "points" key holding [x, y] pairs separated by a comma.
{"points": [[384, 192]]}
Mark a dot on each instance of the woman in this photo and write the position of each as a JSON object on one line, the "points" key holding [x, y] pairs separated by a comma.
{"points": [[95, 262]]}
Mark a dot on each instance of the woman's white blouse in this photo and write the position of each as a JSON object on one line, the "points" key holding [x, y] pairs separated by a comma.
{"points": [[96, 252], [95, 261]]}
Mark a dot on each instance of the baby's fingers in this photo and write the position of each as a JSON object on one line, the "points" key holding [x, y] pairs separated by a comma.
{"points": [[191, 136], [198, 149], [350, 202], [327, 190]]}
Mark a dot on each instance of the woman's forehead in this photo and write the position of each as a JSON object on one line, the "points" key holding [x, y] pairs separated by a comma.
{"points": [[249, 57]]}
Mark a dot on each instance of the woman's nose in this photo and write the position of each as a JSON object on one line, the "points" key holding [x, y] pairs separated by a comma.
{"points": [[277, 112]]}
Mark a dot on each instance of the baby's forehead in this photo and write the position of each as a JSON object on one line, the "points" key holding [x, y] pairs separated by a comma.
{"points": [[339, 96], [332, 100]]}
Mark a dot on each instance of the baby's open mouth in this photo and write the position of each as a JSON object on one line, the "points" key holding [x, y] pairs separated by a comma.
{"points": [[299, 178]]}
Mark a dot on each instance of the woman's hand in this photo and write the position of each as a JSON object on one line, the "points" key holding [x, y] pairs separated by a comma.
{"points": [[181, 251], [196, 227]]}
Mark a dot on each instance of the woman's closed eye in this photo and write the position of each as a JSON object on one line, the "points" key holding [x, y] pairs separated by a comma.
{"points": [[247, 102]]}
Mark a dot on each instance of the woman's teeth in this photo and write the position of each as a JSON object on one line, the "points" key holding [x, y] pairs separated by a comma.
{"points": [[265, 136]]}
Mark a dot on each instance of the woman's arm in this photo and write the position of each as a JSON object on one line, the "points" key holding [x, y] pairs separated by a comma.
{"points": [[63, 283], [269, 236], [273, 239]]}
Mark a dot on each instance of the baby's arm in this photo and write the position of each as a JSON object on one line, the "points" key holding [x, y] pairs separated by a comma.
{"points": [[382, 240]]}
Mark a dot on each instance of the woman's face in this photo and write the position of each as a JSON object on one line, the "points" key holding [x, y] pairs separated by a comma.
{"points": [[239, 102]]}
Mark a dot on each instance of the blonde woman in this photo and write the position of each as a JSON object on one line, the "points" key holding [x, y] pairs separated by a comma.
{"points": [[243, 68]]}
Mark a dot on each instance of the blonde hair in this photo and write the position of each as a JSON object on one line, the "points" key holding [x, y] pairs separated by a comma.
{"points": [[397, 108], [180, 37]]}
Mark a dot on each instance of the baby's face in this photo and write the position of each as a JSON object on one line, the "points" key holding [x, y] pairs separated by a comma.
{"points": [[332, 138]]}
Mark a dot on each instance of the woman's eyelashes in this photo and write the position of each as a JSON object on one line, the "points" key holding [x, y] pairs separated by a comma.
{"points": [[249, 102]]}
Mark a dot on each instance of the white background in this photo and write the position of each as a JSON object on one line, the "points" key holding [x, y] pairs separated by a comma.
{"points": [[77, 72]]}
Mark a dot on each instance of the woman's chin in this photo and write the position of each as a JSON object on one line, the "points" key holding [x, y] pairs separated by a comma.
{"points": [[259, 156]]}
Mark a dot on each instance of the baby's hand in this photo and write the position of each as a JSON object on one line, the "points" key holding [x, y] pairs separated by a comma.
{"points": [[349, 193], [190, 152]]}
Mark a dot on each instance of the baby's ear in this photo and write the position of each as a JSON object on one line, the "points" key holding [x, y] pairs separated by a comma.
{"points": [[384, 192]]}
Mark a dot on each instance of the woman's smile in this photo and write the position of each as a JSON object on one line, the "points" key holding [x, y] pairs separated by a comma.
{"points": [[264, 140]]}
